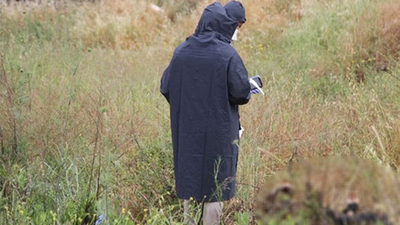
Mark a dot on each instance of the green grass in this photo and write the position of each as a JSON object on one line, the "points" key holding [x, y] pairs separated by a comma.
{"points": [[92, 131]]}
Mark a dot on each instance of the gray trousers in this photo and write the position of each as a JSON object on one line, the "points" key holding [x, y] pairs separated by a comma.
{"points": [[212, 213]]}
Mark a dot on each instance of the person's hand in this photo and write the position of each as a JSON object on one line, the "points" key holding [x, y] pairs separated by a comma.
{"points": [[256, 88], [255, 91]]}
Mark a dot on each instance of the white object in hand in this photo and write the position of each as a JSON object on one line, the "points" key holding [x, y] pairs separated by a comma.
{"points": [[241, 130], [253, 82]]}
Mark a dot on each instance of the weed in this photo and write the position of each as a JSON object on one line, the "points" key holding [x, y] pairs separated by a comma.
{"points": [[84, 131]]}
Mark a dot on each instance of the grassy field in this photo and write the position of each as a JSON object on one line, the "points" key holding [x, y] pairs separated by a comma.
{"points": [[85, 132]]}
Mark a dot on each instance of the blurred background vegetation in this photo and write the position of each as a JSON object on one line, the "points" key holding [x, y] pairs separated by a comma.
{"points": [[84, 131]]}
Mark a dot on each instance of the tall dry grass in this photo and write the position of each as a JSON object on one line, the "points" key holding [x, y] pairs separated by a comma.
{"points": [[79, 100]]}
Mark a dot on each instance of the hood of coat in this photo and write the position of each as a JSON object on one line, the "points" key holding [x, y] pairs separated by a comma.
{"points": [[236, 11], [221, 21]]}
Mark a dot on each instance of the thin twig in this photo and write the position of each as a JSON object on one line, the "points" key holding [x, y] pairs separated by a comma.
{"points": [[99, 114], [94, 153], [272, 155], [70, 100], [1, 141], [10, 99], [380, 142]]}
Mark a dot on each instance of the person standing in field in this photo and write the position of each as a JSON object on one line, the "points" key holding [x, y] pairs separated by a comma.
{"points": [[205, 83]]}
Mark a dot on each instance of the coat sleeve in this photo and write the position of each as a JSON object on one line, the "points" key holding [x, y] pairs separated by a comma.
{"points": [[164, 89], [238, 82]]}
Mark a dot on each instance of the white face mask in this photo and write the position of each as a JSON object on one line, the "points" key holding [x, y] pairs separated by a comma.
{"points": [[235, 36]]}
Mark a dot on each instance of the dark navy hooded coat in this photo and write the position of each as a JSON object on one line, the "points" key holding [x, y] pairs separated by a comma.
{"points": [[204, 83]]}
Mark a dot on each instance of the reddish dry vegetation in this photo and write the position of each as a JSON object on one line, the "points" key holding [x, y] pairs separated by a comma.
{"points": [[379, 47], [373, 43], [390, 29]]}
